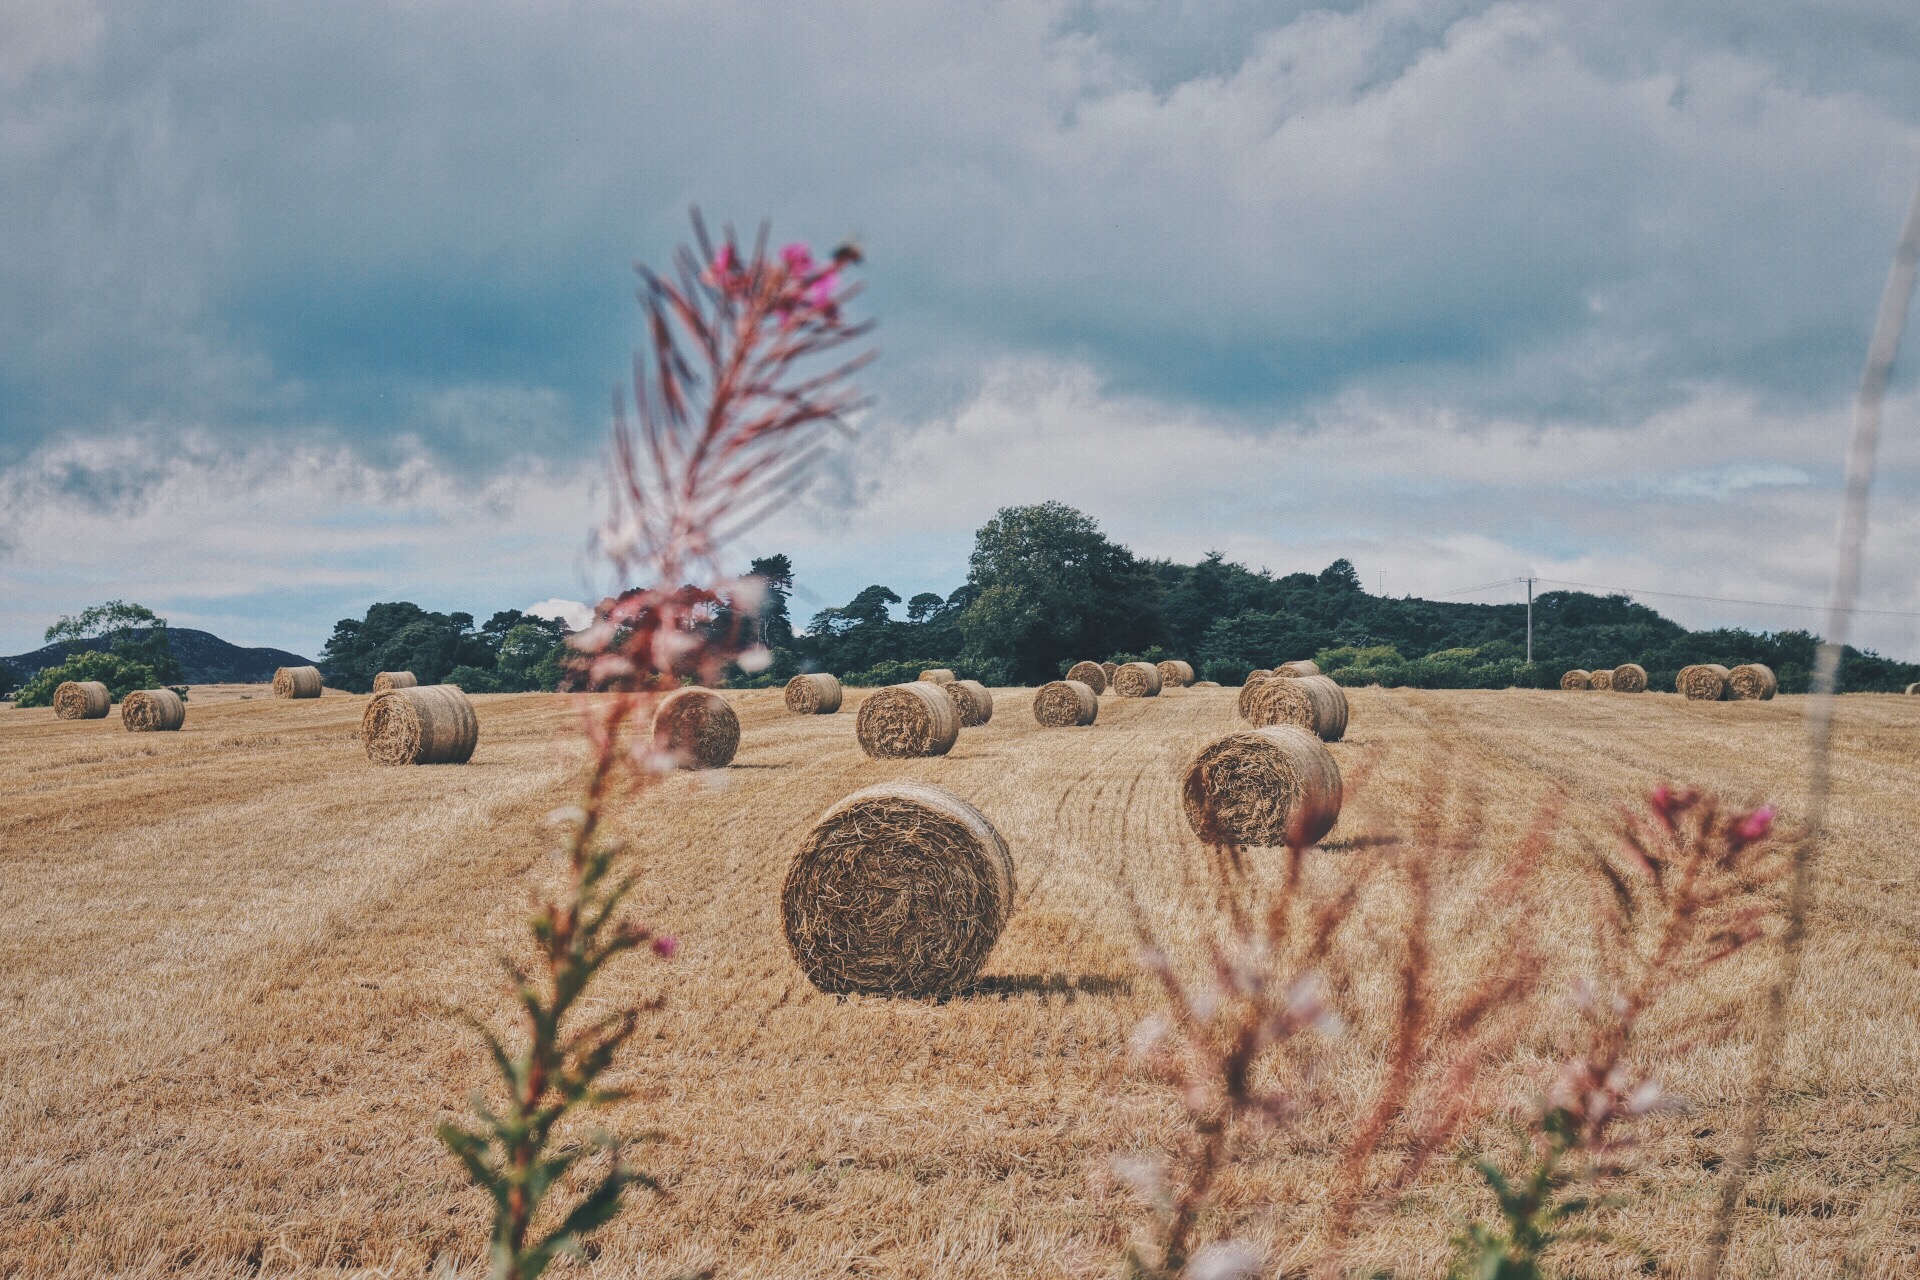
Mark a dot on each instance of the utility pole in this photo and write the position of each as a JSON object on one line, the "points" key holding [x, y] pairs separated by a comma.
{"points": [[1529, 621]]}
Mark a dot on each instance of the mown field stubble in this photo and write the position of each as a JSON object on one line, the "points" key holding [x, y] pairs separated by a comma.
{"points": [[234, 960]]}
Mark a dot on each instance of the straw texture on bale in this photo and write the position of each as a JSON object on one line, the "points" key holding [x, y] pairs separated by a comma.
{"points": [[1258, 673], [1576, 679], [1107, 669], [1090, 674], [82, 700], [1065, 703], [153, 711], [395, 680], [1175, 674], [1913, 688], [900, 889], [1136, 680], [937, 675], [1702, 682], [427, 724], [697, 728], [1304, 667], [1600, 680], [1206, 684], [1248, 692], [297, 682], [815, 694], [1752, 682], [972, 702], [1250, 788], [1313, 703], [902, 721], [1629, 677]]}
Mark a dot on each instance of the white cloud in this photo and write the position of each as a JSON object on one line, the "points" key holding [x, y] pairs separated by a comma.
{"points": [[574, 613]]}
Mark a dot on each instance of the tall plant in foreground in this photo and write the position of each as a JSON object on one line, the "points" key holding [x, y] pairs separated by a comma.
{"points": [[1250, 1042], [1698, 886], [729, 397]]}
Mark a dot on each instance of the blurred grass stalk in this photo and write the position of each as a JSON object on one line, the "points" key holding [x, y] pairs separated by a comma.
{"points": [[1862, 456]]}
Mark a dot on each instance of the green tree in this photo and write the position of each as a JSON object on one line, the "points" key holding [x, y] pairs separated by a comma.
{"points": [[132, 631], [775, 573], [124, 646], [1048, 587], [121, 674]]}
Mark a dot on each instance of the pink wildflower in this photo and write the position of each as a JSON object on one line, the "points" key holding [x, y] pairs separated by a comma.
{"points": [[799, 259], [1756, 825], [820, 292], [664, 947]]}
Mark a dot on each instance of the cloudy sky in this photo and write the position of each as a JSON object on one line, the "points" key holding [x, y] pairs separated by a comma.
{"points": [[305, 307]]}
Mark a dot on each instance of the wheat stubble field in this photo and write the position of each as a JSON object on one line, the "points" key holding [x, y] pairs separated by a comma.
{"points": [[234, 959]]}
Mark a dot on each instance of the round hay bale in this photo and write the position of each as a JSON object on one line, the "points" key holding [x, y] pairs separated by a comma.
{"points": [[1304, 667], [1313, 703], [972, 702], [1629, 677], [1913, 688], [900, 889], [1576, 679], [82, 700], [1258, 673], [153, 711], [1175, 674], [1136, 680], [902, 721], [427, 724], [696, 728], [1090, 674], [815, 694], [1107, 669], [395, 680], [1702, 682], [1206, 684], [1753, 682], [1253, 788], [1600, 680], [297, 682], [1249, 691], [1065, 703], [937, 675]]}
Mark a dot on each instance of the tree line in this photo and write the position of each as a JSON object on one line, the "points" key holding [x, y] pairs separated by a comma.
{"points": [[1046, 588]]}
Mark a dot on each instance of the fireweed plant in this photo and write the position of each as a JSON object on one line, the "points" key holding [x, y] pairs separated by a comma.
{"points": [[1695, 886], [1249, 1043], [744, 367], [1253, 1040]]}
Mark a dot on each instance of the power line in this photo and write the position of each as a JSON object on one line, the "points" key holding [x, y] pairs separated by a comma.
{"points": [[1677, 595]]}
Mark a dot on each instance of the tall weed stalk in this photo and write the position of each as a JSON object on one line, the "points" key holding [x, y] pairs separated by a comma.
{"points": [[1896, 299], [729, 398], [1695, 885]]}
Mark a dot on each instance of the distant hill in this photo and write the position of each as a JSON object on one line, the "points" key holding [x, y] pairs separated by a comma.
{"points": [[204, 657]]}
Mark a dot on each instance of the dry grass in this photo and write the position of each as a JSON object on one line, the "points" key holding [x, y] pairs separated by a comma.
{"points": [[235, 958]]}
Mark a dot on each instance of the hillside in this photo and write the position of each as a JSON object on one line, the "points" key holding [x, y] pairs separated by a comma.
{"points": [[204, 657]]}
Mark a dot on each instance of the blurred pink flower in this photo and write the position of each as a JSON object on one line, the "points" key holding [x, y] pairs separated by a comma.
{"points": [[820, 292], [1756, 825], [798, 257], [665, 947]]}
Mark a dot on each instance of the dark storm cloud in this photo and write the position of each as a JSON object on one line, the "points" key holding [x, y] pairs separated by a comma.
{"points": [[388, 225]]}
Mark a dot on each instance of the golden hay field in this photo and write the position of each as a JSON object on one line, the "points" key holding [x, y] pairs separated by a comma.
{"points": [[234, 959]]}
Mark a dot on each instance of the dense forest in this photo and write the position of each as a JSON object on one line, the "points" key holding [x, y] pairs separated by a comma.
{"points": [[1046, 588], [510, 653]]}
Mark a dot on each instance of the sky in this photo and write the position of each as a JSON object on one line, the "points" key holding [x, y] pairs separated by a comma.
{"points": [[308, 307]]}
